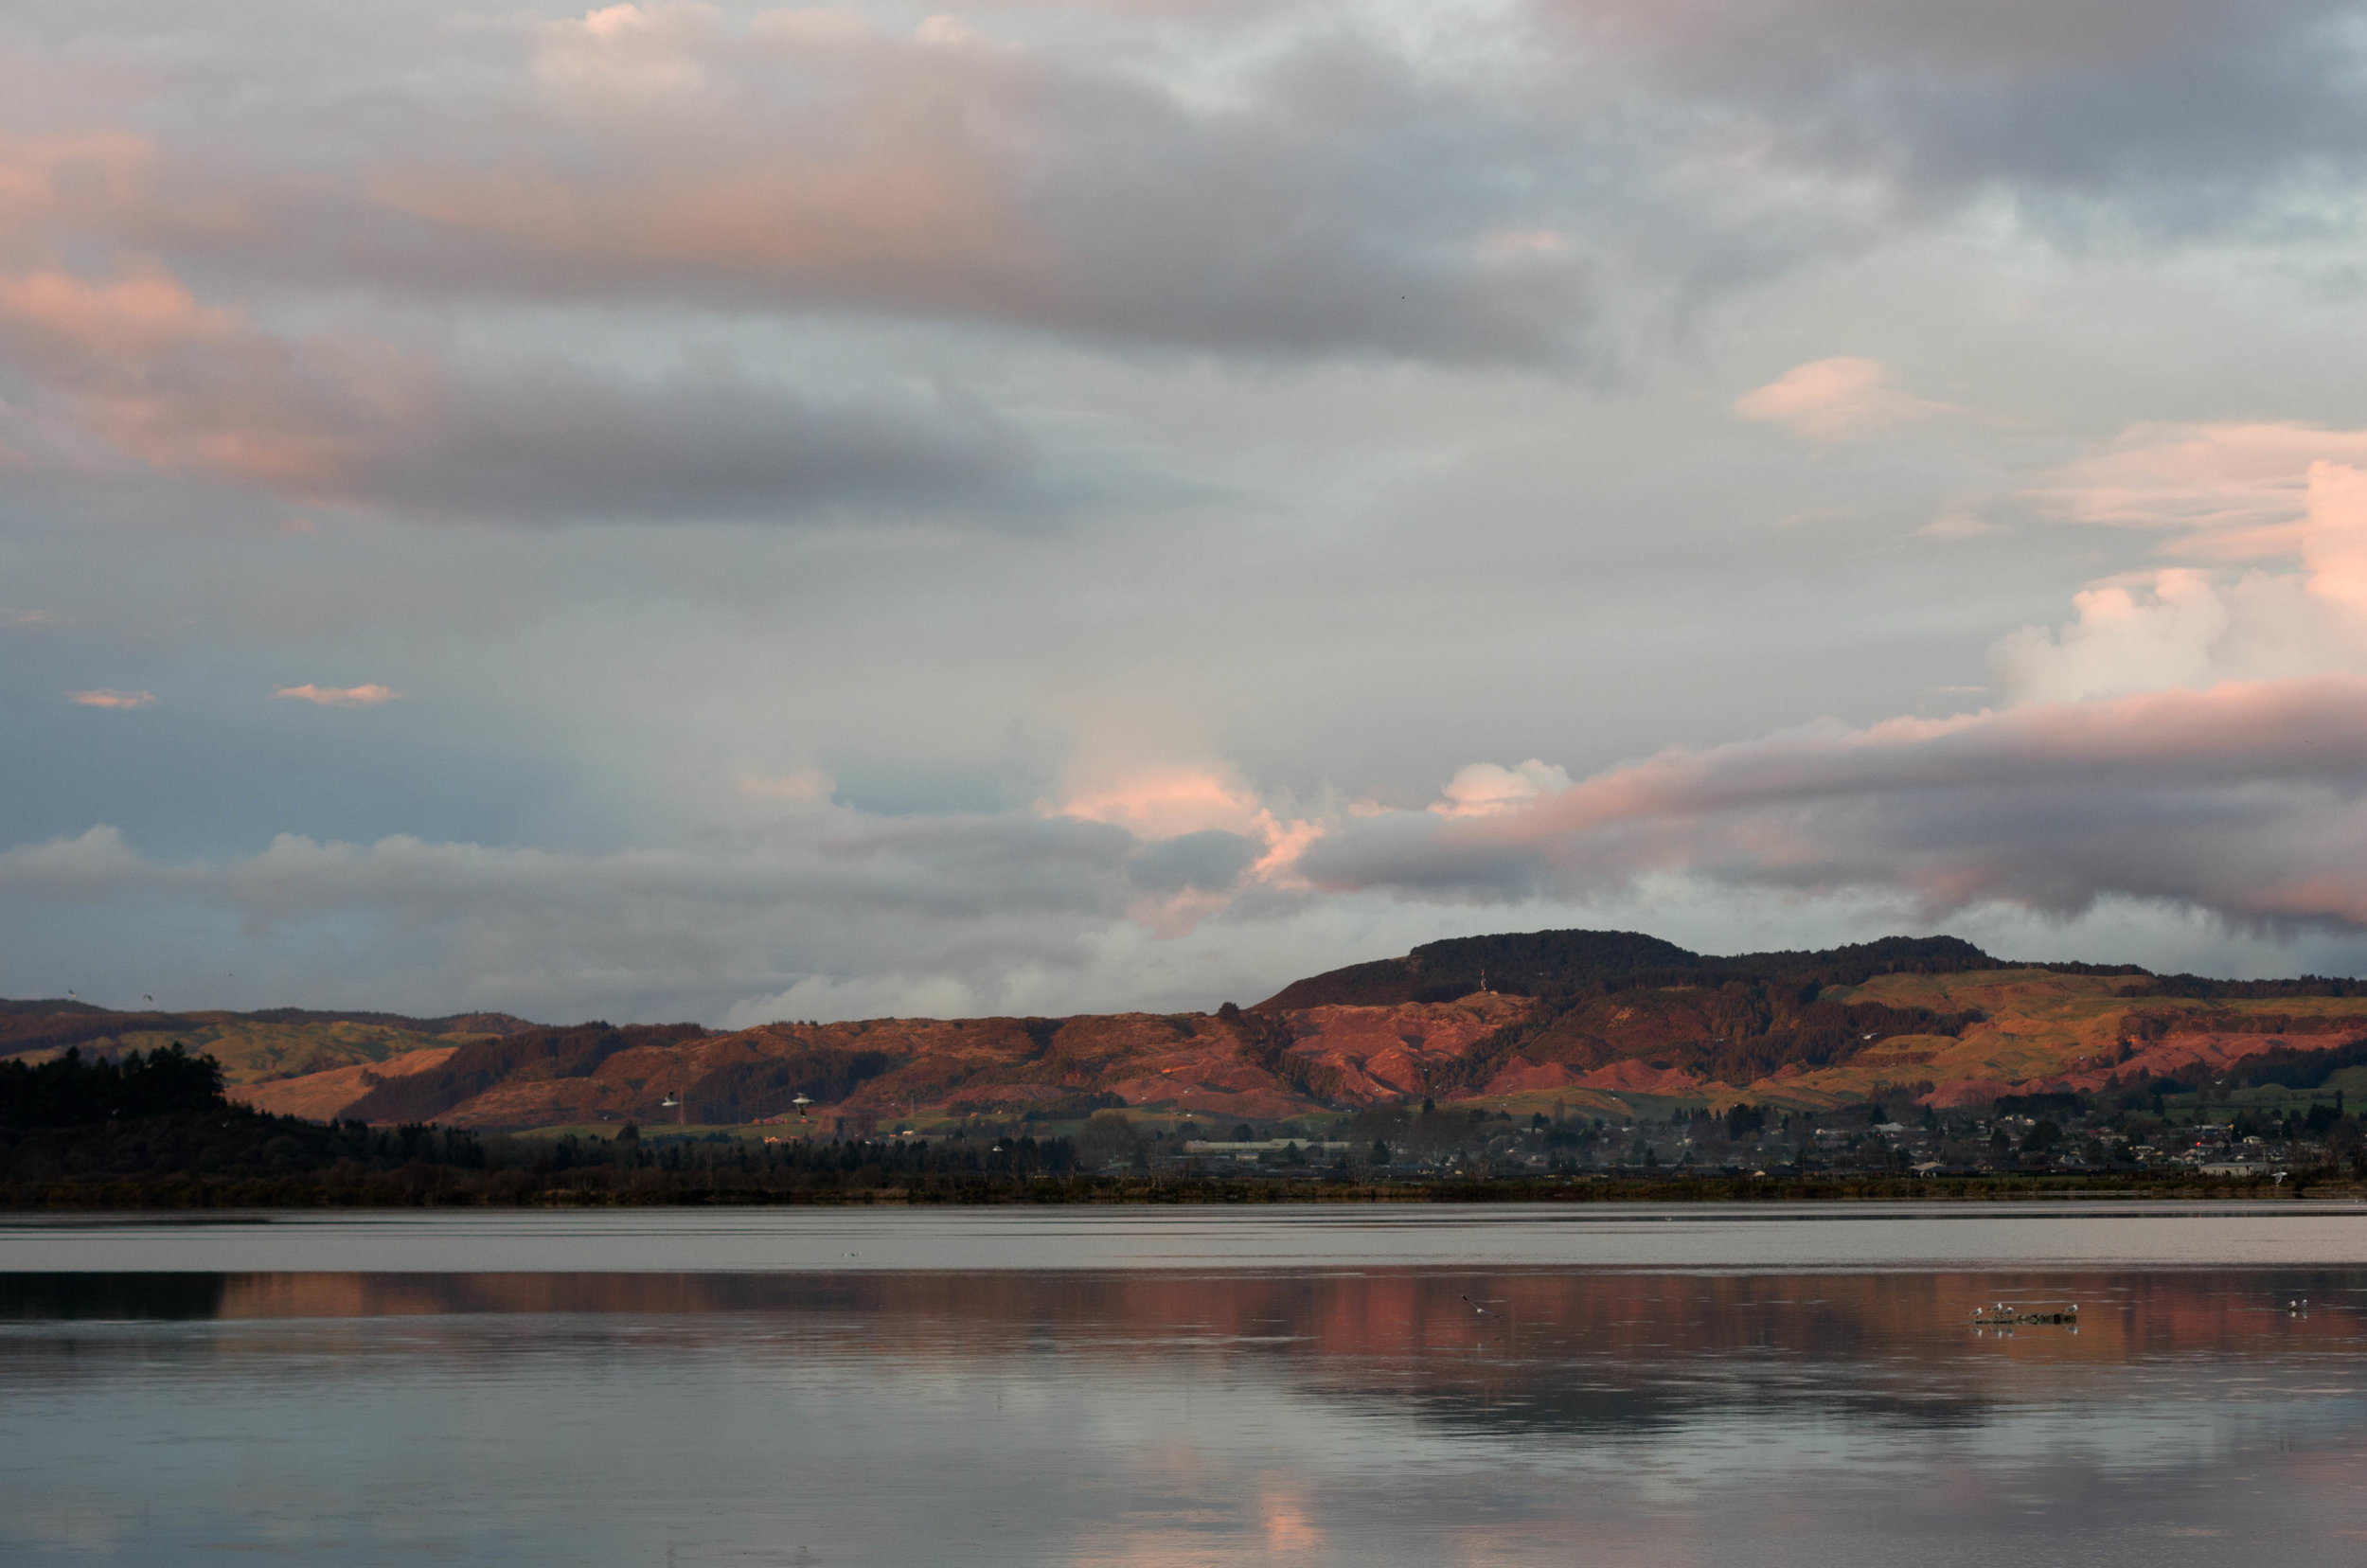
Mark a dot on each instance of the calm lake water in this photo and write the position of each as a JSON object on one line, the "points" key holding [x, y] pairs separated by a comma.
{"points": [[1309, 1386]]}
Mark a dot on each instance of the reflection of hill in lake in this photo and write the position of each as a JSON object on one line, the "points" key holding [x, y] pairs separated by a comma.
{"points": [[1597, 1354]]}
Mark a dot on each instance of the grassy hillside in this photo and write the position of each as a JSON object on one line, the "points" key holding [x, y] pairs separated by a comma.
{"points": [[1604, 1022], [252, 1047]]}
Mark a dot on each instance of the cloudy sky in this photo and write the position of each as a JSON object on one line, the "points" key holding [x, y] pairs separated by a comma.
{"points": [[704, 511]]}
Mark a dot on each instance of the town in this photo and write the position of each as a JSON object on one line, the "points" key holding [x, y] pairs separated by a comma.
{"points": [[2018, 1135]]}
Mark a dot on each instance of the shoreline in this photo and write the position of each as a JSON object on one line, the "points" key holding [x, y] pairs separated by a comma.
{"points": [[423, 1190]]}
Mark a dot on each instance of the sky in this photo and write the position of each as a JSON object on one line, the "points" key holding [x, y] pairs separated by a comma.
{"points": [[724, 514]]}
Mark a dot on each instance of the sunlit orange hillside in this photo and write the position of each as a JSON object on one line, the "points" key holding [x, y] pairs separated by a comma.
{"points": [[1608, 1023]]}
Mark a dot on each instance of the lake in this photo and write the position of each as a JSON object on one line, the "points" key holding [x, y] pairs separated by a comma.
{"points": [[1416, 1386]]}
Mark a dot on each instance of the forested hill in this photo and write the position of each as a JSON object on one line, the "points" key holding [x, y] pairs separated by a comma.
{"points": [[1548, 963]]}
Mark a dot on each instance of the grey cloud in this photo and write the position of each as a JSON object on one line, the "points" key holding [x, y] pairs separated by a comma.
{"points": [[181, 388], [2245, 801], [1342, 200], [556, 442], [653, 931], [2176, 112], [1346, 197], [1210, 861]]}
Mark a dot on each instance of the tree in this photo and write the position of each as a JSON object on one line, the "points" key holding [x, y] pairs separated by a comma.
{"points": [[2344, 1143], [1107, 1135], [71, 1091]]}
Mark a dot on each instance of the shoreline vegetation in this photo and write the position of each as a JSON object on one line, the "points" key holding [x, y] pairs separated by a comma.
{"points": [[863, 1178], [154, 1131], [405, 1189]]}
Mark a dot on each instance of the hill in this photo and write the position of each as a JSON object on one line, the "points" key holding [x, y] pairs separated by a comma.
{"points": [[253, 1048], [1546, 963], [1606, 1023]]}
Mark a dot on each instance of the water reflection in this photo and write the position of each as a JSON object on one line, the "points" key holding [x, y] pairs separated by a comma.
{"points": [[71, 1297], [1371, 1415]]}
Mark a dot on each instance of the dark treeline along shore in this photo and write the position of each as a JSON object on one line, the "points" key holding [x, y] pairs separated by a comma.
{"points": [[1561, 1065], [155, 1130]]}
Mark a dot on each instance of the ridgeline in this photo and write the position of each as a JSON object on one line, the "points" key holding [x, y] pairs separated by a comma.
{"points": [[1552, 1063]]}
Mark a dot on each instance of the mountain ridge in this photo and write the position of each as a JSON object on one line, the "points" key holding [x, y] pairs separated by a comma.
{"points": [[1535, 962], [1602, 1021]]}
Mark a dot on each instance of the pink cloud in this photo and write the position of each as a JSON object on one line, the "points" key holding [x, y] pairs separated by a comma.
{"points": [[2230, 491], [1165, 805], [361, 696], [2238, 493], [1486, 788], [135, 363], [812, 159], [807, 786], [1163, 802], [1834, 400], [74, 179], [111, 699], [189, 390]]}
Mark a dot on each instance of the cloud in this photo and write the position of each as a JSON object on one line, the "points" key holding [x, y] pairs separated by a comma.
{"points": [[1328, 202], [2181, 627], [360, 696], [954, 913], [1485, 789], [2179, 115], [135, 365], [111, 699], [2245, 801], [828, 911], [2229, 491], [1267, 189], [1548, 184], [977, 898], [1834, 400], [805, 787], [1161, 803], [1209, 860], [1452, 313], [2192, 737], [1165, 802], [2245, 493]]}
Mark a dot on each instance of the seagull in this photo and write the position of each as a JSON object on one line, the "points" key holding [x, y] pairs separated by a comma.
{"points": [[1476, 1307]]}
